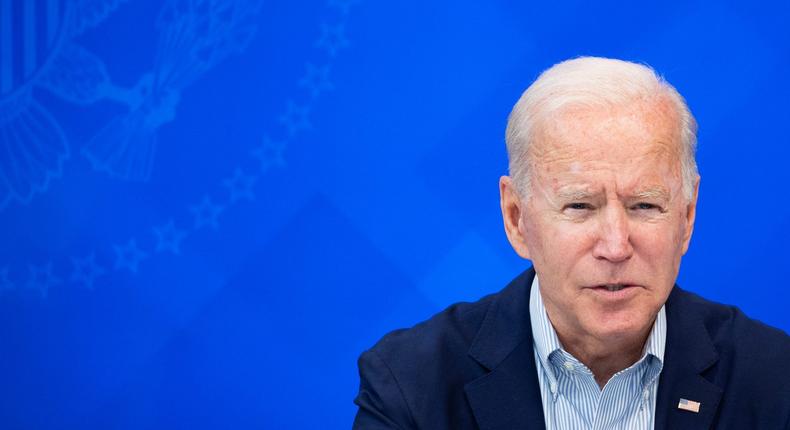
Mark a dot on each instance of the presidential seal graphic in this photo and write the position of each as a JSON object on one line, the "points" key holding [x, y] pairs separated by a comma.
{"points": [[37, 51], [52, 82]]}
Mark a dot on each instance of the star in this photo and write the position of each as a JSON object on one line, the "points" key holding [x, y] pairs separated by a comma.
{"points": [[129, 256], [168, 238], [332, 38], [270, 153], [295, 118], [240, 186], [41, 278], [342, 5], [5, 283], [86, 270], [316, 80], [206, 213]]}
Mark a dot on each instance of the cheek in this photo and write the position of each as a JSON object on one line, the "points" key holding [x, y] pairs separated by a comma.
{"points": [[661, 244], [538, 234], [560, 244]]}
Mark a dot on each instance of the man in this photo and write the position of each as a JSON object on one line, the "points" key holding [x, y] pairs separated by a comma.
{"points": [[602, 199]]}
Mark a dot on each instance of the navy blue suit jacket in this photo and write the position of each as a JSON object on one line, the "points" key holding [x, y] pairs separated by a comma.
{"points": [[472, 367]]}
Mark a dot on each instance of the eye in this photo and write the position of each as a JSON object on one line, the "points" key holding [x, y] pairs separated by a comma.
{"points": [[578, 206], [645, 206]]}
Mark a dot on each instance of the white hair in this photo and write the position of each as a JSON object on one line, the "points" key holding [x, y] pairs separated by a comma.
{"points": [[592, 82]]}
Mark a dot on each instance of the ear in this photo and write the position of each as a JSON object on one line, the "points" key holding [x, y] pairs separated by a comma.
{"points": [[512, 211], [691, 214]]}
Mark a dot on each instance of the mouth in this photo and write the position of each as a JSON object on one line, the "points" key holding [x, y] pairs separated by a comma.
{"points": [[615, 291], [613, 287]]}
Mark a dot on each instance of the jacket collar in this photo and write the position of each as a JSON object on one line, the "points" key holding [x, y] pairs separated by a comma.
{"points": [[689, 354], [508, 396]]}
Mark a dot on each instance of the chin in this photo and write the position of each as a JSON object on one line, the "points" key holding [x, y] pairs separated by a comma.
{"points": [[620, 324]]}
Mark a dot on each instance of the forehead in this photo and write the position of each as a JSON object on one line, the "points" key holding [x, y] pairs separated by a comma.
{"points": [[637, 141]]}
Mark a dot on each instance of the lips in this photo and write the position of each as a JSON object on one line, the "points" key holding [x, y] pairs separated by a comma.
{"points": [[614, 291], [613, 287]]}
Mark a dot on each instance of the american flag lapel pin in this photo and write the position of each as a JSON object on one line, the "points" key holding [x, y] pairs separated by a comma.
{"points": [[689, 405]]}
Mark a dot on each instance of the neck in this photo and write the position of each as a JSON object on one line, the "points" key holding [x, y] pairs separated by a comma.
{"points": [[604, 357]]}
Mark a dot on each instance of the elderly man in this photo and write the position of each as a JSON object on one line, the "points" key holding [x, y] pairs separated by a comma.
{"points": [[601, 198]]}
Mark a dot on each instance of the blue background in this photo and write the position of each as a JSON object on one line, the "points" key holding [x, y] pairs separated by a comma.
{"points": [[208, 209]]}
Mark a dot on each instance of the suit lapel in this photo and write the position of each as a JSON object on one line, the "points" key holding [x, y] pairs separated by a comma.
{"points": [[689, 353], [509, 395]]}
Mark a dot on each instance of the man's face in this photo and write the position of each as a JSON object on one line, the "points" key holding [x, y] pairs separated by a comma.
{"points": [[605, 221]]}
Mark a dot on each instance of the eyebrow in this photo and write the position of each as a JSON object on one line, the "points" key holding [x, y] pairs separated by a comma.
{"points": [[652, 193], [582, 194], [574, 194]]}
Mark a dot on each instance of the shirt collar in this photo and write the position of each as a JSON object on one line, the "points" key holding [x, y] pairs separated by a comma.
{"points": [[546, 341]]}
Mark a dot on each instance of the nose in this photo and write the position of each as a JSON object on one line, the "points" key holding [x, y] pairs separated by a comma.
{"points": [[614, 236]]}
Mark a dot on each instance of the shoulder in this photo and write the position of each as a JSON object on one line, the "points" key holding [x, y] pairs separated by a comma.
{"points": [[753, 357], [442, 337], [411, 377], [733, 332], [485, 329], [419, 373]]}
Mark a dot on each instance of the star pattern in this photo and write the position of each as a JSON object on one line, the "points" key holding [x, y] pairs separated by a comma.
{"points": [[206, 213], [240, 186], [5, 283], [269, 154], [316, 79], [342, 5], [295, 118], [86, 270], [168, 238], [128, 256], [333, 38], [41, 279]]}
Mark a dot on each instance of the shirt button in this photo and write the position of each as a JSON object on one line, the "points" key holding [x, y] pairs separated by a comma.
{"points": [[553, 387], [568, 365]]}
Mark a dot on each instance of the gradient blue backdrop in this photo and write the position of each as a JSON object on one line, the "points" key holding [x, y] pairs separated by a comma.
{"points": [[209, 208]]}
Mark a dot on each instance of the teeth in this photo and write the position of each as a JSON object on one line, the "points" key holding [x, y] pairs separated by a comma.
{"points": [[614, 287]]}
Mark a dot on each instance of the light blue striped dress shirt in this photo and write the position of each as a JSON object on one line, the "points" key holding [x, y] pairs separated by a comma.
{"points": [[572, 398]]}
